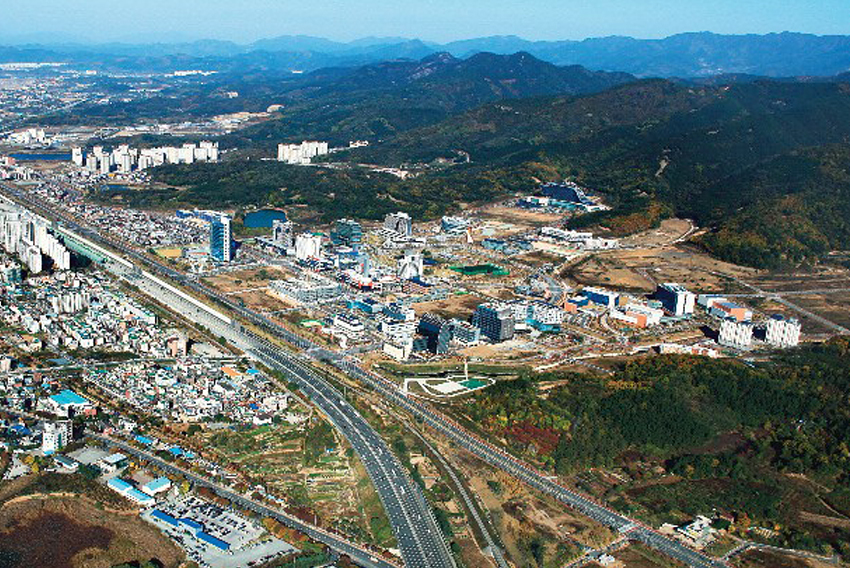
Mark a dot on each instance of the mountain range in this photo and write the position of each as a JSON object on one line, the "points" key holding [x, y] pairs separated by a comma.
{"points": [[687, 55]]}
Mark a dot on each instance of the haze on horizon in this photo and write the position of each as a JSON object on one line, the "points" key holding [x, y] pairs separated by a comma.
{"points": [[56, 21]]}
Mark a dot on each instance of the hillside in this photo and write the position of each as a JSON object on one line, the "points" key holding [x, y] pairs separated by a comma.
{"points": [[715, 154], [381, 100]]}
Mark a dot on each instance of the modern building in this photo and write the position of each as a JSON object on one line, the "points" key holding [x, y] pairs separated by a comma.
{"points": [[496, 321], [308, 247], [725, 309], [676, 299], [454, 225], [465, 333], [221, 239], [566, 191], [400, 223], [312, 290], [783, 332], [638, 315], [410, 266], [347, 232], [282, 233], [603, 297], [736, 334], [437, 331]]}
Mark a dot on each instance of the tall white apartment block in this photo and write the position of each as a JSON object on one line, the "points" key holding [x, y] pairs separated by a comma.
{"points": [[782, 332], [301, 154], [736, 334]]}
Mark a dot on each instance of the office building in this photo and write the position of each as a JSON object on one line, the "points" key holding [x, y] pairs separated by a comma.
{"points": [[221, 239], [399, 223], [736, 334], [437, 331], [410, 266], [602, 297], [496, 321], [783, 332], [676, 299], [465, 333], [347, 233], [308, 247], [282, 233]]}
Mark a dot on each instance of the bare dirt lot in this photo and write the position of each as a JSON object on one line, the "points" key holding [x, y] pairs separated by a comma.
{"points": [[262, 301], [643, 269], [460, 307], [229, 282], [525, 218], [519, 514], [639, 556], [768, 559], [834, 307], [62, 532]]}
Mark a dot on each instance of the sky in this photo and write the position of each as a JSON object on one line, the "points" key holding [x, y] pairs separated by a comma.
{"points": [[244, 21]]}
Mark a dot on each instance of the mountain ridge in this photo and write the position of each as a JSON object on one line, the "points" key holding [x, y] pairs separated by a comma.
{"points": [[686, 55]]}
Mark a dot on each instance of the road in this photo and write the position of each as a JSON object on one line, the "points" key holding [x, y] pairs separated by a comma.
{"points": [[491, 546], [419, 539]]}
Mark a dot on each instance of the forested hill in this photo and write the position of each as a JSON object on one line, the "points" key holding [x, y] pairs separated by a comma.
{"points": [[384, 99], [715, 154]]}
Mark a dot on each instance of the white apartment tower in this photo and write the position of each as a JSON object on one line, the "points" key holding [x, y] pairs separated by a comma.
{"points": [[301, 154], [782, 332], [738, 335]]}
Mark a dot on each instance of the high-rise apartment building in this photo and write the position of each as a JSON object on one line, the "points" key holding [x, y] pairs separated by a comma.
{"points": [[783, 332]]}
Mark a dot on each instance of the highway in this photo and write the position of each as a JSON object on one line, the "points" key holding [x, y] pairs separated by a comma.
{"points": [[419, 539]]}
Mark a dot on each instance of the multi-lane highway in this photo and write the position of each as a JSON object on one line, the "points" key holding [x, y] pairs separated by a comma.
{"points": [[419, 539]]}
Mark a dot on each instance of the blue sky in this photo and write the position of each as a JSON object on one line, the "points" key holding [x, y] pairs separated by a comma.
{"points": [[435, 20]]}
